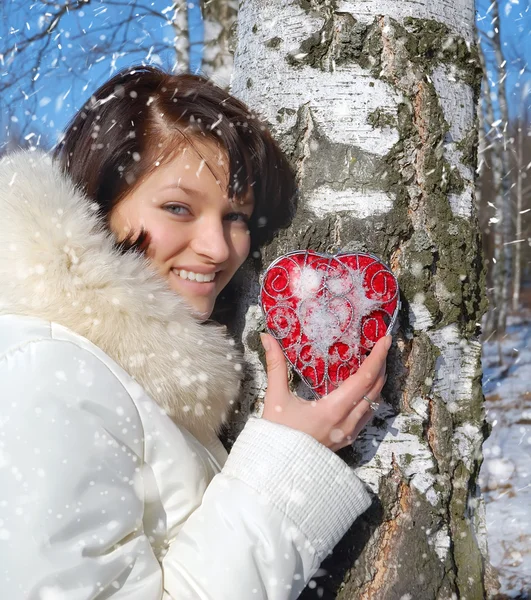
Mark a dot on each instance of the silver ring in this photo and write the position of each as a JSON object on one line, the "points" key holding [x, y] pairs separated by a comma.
{"points": [[374, 405]]}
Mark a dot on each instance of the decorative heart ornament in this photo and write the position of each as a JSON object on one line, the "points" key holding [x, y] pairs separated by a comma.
{"points": [[328, 311]]}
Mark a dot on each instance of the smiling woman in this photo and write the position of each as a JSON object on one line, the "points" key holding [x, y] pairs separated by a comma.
{"points": [[145, 130], [142, 117], [198, 237], [112, 256]]}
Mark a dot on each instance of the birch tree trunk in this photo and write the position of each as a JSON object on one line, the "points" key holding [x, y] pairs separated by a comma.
{"points": [[375, 103], [519, 204], [494, 322], [219, 17], [181, 40], [521, 130], [504, 270]]}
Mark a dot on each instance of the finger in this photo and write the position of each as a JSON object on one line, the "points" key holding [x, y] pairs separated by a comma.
{"points": [[357, 385], [358, 418], [277, 370], [363, 410], [354, 425], [348, 431], [362, 413], [374, 392], [365, 419], [376, 361]]}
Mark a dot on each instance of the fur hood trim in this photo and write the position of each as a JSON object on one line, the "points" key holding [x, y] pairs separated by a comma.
{"points": [[57, 262]]}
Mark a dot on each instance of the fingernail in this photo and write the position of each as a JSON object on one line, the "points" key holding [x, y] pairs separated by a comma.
{"points": [[265, 342], [388, 341]]}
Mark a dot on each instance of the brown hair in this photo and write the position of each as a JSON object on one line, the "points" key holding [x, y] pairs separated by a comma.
{"points": [[112, 140]]}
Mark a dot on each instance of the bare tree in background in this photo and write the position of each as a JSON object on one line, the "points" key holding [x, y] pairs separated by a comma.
{"points": [[505, 169], [520, 140], [181, 39], [66, 39], [492, 151], [502, 267], [521, 127], [219, 19]]}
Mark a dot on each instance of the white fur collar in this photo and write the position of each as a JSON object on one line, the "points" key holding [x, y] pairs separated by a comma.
{"points": [[57, 262]]}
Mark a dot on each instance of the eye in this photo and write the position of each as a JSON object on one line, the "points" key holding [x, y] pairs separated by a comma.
{"points": [[238, 216], [177, 209]]}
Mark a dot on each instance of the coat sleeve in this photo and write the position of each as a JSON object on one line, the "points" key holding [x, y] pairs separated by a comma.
{"points": [[280, 504], [71, 453]]}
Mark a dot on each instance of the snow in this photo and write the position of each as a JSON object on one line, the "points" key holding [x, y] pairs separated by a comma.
{"points": [[324, 319], [505, 476]]}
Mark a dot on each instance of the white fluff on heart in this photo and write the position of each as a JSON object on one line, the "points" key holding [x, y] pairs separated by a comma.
{"points": [[326, 319]]}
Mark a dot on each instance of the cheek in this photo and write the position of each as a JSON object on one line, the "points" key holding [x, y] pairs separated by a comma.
{"points": [[242, 245], [165, 241], [123, 222]]}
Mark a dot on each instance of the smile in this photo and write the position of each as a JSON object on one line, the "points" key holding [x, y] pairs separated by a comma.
{"points": [[190, 276]]}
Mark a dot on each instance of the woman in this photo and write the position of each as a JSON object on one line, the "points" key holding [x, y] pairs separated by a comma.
{"points": [[113, 483]]}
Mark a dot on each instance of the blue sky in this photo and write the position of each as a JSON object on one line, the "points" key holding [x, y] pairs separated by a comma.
{"points": [[515, 31], [61, 85], [56, 93]]}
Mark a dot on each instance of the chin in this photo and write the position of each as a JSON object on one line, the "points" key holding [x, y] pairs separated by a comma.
{"points": [[204, 316], [199, 311], [201, 314]]}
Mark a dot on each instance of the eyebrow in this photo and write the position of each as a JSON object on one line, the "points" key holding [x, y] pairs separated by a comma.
{"points": [[193, 191]]}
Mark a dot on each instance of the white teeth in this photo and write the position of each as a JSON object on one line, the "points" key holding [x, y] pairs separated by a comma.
{"points": [[195, 276]]}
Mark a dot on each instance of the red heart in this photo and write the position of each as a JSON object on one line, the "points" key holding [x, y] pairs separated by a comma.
{"points": [[327, 312]]}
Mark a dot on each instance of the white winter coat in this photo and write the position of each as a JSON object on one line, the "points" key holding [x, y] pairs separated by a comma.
{"points": [[113, 483]]}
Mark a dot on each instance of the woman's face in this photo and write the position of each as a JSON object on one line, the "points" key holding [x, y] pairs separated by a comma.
{"points": [[198, 238]]}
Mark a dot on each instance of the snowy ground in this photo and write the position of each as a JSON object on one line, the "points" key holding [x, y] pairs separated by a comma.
{"points": [[505, 476]]}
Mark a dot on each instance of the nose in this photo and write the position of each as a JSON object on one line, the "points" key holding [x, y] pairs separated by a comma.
{"points": [[209, 240]]}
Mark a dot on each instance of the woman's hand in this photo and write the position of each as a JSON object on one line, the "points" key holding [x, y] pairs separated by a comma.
{"points": [[334, 420]]}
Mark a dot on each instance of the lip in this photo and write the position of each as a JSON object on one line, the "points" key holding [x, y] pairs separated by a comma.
{"points": [[195, 287]]}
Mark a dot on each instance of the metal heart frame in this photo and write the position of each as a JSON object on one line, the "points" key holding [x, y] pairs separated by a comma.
{"points": [[309, 254]]}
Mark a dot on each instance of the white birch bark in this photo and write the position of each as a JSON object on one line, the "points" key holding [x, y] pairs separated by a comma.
{"points": [[219, 18], [381, 129], [181, 39]]}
